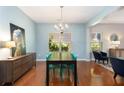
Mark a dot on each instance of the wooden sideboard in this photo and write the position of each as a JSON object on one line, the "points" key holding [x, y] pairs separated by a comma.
{"points": [[13, 69], [119, 52]]}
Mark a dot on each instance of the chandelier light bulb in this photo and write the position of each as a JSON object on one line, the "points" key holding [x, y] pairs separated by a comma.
{"points": [[56, 26], [62, 28], [66, 25], [60, 25]]}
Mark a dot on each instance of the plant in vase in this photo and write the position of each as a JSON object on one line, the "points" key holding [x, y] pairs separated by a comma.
{"points": [[65, 47], [96, 46], [53, 45]]}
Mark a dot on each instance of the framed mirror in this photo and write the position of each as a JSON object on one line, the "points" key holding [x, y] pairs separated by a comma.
{"points": [[114, 37]]}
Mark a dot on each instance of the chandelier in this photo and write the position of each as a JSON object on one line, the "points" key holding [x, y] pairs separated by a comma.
{"points": [[61, 26]]}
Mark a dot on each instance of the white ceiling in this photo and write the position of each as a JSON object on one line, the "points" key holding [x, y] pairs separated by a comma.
{"points": [[115, 17], [71, 14]]}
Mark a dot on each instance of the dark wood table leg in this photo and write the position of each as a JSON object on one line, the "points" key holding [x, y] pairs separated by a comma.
{"points": [[47, 74], [61, 72], [75, 74]]}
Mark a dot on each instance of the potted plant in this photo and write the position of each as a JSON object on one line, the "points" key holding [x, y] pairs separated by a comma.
{"points": [[64, 46]]}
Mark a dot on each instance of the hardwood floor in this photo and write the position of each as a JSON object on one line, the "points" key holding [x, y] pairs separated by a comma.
{"points": [[89, 74]]}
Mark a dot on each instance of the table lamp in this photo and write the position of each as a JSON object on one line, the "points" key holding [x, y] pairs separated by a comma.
{"points": [[10, 44], [116, 43]]}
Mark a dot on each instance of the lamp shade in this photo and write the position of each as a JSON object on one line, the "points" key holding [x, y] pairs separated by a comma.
{"points": [[10, 44]]}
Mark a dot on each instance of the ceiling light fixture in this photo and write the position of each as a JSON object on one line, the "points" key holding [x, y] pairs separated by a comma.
{"points": [[61, 26]]}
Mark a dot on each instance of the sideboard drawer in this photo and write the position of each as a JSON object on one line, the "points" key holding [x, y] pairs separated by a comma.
{"points": [[13, 69]]}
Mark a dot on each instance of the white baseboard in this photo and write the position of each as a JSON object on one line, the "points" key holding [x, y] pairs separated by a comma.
{"points": [[77, 60], [83, 60], [41, 60]]}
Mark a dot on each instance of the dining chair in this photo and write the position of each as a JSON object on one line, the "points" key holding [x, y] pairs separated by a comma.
{"points": [[118, 66]]}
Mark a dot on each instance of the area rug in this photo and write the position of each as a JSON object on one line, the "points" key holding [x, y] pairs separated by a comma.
{"points": [[107, 66]]}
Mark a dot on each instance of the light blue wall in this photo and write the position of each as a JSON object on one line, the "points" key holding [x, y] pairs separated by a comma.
{"points": [[11, 14], [78, 39], [39, 32]]}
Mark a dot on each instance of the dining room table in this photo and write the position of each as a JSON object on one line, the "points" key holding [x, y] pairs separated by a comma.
{"points": [[55, 58]]}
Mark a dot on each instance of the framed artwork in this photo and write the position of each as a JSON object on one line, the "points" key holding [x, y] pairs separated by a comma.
{"points": [[18, 35], [96, 36]]}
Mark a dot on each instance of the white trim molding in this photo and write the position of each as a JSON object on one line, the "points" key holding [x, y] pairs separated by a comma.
{"points": [[40, 60], [77, 60], [83, 60]]}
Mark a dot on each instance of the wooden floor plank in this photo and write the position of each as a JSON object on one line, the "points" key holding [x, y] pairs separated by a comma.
{"points": [[89, 74]]}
